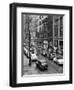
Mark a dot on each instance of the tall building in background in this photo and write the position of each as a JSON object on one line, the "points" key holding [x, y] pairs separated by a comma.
{"points": [[50, 30], [41, 31], [44, 32], [58, 31]]}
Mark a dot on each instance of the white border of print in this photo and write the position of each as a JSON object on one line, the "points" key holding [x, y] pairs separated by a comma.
{"points": [[46, 77]]}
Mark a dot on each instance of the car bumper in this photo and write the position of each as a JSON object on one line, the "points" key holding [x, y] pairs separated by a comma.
{"points": [[42, 68]]}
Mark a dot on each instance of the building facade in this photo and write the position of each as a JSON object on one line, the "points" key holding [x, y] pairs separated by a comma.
{"points": [[42, 31]]}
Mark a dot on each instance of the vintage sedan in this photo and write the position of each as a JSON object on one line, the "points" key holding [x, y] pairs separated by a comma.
{"points": [[26, 51], [34, 57], [59, 60], [42, 64]]}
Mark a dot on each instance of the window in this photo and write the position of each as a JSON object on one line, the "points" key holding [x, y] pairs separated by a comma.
{"points": [[61, 26], [40, 23]]}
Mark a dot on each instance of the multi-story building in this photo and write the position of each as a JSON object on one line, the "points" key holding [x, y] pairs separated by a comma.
{"points": [[26, 32], [29, 29], [49, 30], [58, 31], [41, 31]]}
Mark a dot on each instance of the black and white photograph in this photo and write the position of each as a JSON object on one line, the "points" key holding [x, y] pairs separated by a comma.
{"points": [[42, 44]]}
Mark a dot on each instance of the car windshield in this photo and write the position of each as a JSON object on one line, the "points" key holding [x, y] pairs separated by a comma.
{"points": [[42, 60]]}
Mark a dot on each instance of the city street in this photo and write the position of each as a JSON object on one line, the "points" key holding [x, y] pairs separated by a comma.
{"points": [[42, 35], [31, 70]]}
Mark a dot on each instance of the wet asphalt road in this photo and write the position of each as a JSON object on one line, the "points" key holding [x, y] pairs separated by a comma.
{"points": [[30, 70]]}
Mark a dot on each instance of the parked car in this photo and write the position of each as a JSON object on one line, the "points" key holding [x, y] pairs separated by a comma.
{"points": [[33, 56], [59, 52], [44, 53], [59, 60], [50, 53], [26, 52], [42, 64], [51, 56]]}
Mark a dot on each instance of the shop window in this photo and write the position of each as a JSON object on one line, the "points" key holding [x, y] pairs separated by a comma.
{"points": [[61, 44]]}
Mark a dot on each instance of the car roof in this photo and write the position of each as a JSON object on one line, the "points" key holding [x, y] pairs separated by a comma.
{"points": [[42, 60]]}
